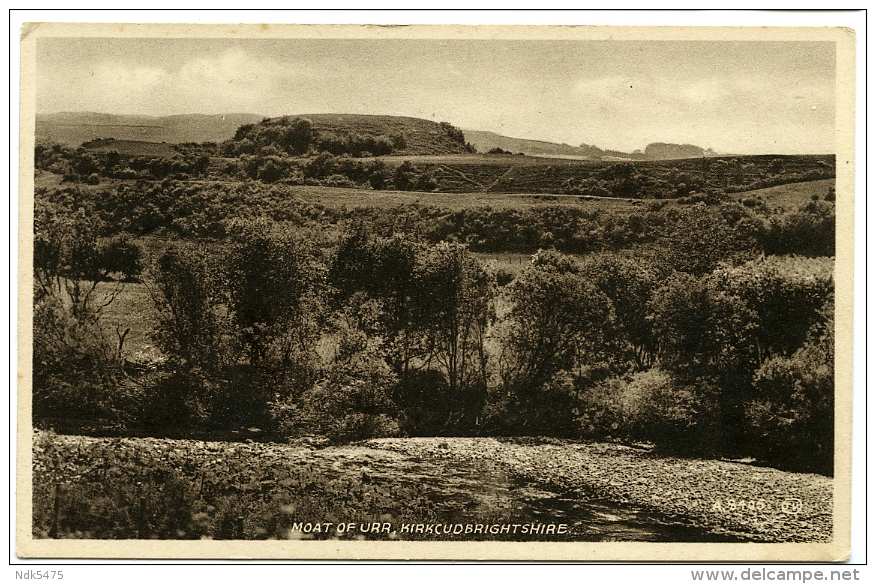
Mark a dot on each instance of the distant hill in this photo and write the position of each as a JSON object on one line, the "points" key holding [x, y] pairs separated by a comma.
{"points": [[663, 151], [486, 141], [421, 137], [74, 128]]}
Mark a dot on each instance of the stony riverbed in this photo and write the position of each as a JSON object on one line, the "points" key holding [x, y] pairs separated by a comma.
{"points": [[740, 500], [598, 491]]}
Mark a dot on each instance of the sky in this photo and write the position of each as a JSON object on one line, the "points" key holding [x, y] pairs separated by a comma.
{"points": [[741, 97]]}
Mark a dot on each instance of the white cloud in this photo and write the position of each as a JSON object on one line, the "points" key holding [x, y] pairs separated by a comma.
{"points": [[230, 81], [703, 92], [115, 78]]}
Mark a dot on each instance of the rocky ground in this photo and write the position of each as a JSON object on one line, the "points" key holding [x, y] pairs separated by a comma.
{"points": [[605, 492], [753, 503]]}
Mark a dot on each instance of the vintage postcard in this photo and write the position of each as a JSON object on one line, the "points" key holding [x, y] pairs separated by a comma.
{"points": [[435, 292]]}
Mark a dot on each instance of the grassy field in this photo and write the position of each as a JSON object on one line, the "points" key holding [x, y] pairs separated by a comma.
{"points": [[46, 180], [136, 148], [789, 196], [132, 309], [354, 198], [506, 160], [513, 263]]}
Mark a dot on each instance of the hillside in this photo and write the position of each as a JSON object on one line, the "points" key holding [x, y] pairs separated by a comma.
{"points": [[486, 141], [660, 179], [422, 137]]}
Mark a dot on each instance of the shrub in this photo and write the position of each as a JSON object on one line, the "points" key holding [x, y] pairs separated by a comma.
{"points": [[809, 230], [630, 285], [791, 417], [454, 300], [243, 325], [557, 319], [504, 277], [683, 419], [608, 409], [352, 402], [178, 399], [75, 368]]}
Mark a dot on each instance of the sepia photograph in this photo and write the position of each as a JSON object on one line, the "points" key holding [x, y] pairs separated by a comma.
{"points": [[435, 292]]}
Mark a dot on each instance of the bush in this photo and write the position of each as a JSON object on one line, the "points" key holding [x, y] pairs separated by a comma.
{"points": [[715, 332], [809, 230], [649, 406], [504, 277], [791, 417], [678, 418], [122, 256], [454, 301], [608, 409], [243, 325], [352, 402], [179, 399], [424, 404], [75, 368], [557, 320]]}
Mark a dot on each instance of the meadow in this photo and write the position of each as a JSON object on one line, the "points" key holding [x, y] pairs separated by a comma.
{"points": [[134, 148], [789, 196], [133, 310], [340, 198]]}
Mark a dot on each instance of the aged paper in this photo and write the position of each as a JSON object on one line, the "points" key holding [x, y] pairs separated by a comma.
{"points": [[457, 489]]}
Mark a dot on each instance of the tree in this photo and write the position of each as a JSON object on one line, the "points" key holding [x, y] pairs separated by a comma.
{"points": [[792, 414], [187, 293], [630, 285], [699, 238], [377, 175], [785, 293], [242, 324], [74, 365], [809, 230], [704, 332], [721, 330], [192, 331], [428, 309], [453, 132], [271, 282], [296, 139], [557, 320], [456, 308], [384, 270], [405, 177], [72, 257]]}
